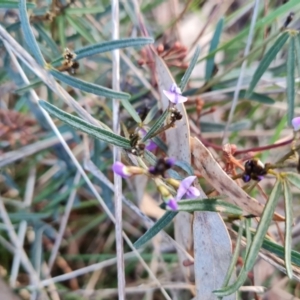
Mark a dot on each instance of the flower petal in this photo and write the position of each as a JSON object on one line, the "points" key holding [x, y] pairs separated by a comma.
{"points": [[296, 123], [181, 99], [172, 204], [192, 193], [184, 186], [171, 96], [120, 169], [150, 145]]}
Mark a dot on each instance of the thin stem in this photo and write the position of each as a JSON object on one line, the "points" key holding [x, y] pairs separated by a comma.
{"points": [[116, 152], [63, 223]]}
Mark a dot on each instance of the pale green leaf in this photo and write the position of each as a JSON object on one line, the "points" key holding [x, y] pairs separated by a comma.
{"points": [[82, 125], [89, 87]]}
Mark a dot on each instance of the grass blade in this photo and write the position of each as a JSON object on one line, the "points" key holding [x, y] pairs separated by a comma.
{"points": [[158, 124], [155, 229], [215, 205], [28, 34], [290, 80], [185, 78], [263, 226], [288, 228], [213, 46], [266, 61], [81, 125], [89, 87]]}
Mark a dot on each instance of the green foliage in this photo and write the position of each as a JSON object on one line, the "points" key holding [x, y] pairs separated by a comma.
{"points": [[36, 168]]}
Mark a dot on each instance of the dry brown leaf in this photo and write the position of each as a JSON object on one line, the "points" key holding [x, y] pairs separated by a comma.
{"points": [[216, 177], [177, 140]]}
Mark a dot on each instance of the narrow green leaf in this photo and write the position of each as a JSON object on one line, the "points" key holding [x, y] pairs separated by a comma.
{"points": [[32, 85], [82, 125], [47, 39], [12, 4], [288, 199], [155, 229], [290, 80], [28, 34], [215, 127], [160, 143], [235, 255], [84, 10], [293, 178], [185, 78], [151, 114], [185, 166], [213, 46], [297, 48], [157, 125], [248, 235], [89, 87], [107, 46], [275, 248], [234, 287], [263, 226], [262, 22], [131, 110], [77, 25], [216, 205], [266, 61], [253, 97], [27, 216], [150, 157]]}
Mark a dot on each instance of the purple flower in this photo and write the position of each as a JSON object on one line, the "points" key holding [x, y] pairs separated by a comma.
{"points": [[172, 204], [170, 162], [121, 169], [296, 123], [174, 94], [246, 178], [150, 145], [185, 189]]}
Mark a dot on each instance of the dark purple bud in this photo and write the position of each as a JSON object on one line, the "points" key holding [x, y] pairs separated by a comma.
{"points": [[246, 178], [170, 162]]}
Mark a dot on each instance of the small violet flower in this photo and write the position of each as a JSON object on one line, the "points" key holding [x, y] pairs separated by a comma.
{"points": [[174, 94], [121, 169], [296, 123], [185, 189], [150, 145]]}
